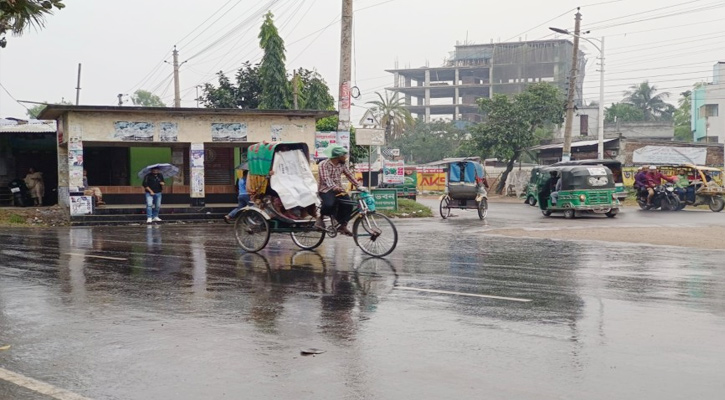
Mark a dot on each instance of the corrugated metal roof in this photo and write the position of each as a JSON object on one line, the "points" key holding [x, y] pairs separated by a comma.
{"points": [[582, 143], [32, 126]]}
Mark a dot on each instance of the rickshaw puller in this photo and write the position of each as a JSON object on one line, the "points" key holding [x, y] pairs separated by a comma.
{"points": [[332, 192]]}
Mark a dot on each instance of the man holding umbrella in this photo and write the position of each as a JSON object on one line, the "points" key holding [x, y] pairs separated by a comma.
{"points": [[153, 185]]}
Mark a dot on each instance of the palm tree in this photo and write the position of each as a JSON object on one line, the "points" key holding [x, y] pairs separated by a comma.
{"points": [[392, 114], [644, 98], [17, 16]]}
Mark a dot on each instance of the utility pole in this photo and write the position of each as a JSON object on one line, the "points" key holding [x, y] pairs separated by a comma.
{"points": [[295, 89], [177, 90], [566, 150], [600, 132], [345, 67], [78, 86], [120, 99]]}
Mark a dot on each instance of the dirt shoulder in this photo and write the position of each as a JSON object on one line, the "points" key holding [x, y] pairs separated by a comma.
{"points": [[32, 216], [709, 237]]}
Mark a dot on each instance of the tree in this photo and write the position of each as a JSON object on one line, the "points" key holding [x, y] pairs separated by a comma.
{"points": [[622, 112], [146, 99], [312, 91], [276, 90], [683, 116], [428, 142], [653, 106], [245, 94], [510, 124], [392, 114], [17, 16]]}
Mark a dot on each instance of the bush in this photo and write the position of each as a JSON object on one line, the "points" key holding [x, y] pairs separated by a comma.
{"points": [[409, 209]]}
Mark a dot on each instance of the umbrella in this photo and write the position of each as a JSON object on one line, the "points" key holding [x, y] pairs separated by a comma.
{"points": [[243, 167], [167, 170]]}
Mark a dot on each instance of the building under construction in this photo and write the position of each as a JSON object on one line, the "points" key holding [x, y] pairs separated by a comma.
{"points": [[474, 71]]}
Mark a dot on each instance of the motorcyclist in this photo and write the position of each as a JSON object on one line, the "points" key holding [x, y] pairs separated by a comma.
{"points": [[654, 179], [640, 179]]}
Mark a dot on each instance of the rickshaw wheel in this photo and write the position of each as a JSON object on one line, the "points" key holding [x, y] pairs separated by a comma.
{"points": [[252, 230], [444, 207], [531, 201], [717, 203], [308, 239], [378, 236], [482, 209], [570, 214]]}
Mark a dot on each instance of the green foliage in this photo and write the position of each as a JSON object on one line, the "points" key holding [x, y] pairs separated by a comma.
{"points": [[428, 142], [146, 99], [390, 111], [408, 208], [653, 106], [683, 117], [35, 110], [276, 89], [622, 112], [18, 15], [16, 219], [312, 91], [511, 124], [245, 94]]}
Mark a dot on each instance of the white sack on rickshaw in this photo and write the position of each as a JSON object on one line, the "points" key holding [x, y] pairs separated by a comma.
{"points": [[293, 179]]}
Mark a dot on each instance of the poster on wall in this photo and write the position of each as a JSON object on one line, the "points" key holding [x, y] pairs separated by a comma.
{"points": [[197, 171], [343, 139], [81, 205], [670, 155], [133, 131], [168, 132], [197, 158], [75, 158], [224, 132], [324, 140], [197, 183], [276, 131], [394, 172]]}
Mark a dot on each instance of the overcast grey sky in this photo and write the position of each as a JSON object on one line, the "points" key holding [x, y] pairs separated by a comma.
{"points": [[122, 44]]}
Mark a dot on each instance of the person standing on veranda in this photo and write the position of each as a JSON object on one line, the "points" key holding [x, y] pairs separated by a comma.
{"points": [[153, 184], [34, 182]]}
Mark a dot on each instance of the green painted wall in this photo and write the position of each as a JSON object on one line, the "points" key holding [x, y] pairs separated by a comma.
{"points": [[143, 156]]}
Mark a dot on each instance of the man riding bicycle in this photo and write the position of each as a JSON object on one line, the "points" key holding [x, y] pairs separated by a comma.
{"points": [[332, 193]]}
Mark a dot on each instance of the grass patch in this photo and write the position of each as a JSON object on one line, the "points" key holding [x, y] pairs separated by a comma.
{"points": [[409, 209], [7, 218]]}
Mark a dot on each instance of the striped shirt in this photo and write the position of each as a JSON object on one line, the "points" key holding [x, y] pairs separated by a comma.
{"points": [[331, 176]]}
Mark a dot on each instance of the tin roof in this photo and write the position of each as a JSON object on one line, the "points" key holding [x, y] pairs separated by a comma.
{"points": [[8, 125], [53, 111]]}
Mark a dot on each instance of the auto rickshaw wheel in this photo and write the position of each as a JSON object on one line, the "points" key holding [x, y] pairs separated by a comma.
{"points": [[531, 201], [252, 230], [570, 214], [482, 209], [612, 213], [547, 213], [717, 203], [445, 207]]}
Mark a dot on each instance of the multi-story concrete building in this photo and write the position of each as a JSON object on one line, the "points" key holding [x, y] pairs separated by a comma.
{"points": [[482, 70], [707, 101]]}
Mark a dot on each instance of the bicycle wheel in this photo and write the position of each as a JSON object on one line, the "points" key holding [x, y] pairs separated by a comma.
{"points": [[378, 236], [308, 239], [482, 209], [252, 230], [444, 210]]}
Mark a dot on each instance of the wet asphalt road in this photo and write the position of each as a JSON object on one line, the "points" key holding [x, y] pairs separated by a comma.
{"points": [[179, 312]]}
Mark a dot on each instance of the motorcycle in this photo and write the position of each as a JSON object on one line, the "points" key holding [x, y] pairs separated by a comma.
{"points": [[665, 199], [21, 194]]}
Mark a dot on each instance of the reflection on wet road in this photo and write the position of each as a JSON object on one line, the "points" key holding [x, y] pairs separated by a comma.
{"points": [[179, 312]]}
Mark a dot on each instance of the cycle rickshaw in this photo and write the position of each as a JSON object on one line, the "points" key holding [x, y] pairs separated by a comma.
{"points": [[465, 187], [284, 198]]}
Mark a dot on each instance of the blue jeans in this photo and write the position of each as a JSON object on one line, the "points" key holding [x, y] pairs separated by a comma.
{"points": [[243, 202], [153, 205]]}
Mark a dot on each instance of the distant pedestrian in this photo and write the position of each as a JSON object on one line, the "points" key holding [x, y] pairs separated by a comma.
{"points": [[34, 182], [242, 197], [153, 184]]}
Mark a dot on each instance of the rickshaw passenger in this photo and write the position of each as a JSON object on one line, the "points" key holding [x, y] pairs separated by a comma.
{"points": [[332, 191], [555, 185]]}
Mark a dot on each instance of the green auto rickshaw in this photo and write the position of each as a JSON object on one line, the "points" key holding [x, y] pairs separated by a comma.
{"points": [[531, 194], [582, 189]]}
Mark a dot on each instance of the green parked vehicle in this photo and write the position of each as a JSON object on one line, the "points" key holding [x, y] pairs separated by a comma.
{"points": [[532, 188], [583, 189]]}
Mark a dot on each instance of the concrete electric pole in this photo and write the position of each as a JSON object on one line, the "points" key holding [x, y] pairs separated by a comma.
{"points": [[177, 89], [566, 150], [78, 86], [345, 67]]}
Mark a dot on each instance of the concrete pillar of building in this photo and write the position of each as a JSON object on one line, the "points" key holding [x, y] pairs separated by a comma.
{"points": [[396, 84], [196, 181], [490, 82], [456, 93], [408, 83], [427, 95]]}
